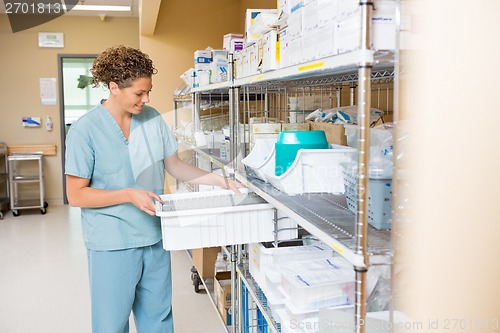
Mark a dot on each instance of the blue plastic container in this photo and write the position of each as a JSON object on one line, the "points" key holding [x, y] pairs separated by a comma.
{"points": [[289, 143]]}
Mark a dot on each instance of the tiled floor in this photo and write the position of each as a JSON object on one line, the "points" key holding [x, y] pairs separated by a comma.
{"points": [[43, 278]]}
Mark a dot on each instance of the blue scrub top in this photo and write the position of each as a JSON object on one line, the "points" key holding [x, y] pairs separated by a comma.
{"points": [[96, 149]]}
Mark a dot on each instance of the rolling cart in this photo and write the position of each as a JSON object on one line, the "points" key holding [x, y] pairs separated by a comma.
{"points": [[4, 180], [19, 176]]}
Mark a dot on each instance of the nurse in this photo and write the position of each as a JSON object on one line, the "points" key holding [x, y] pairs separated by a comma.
{"points": [[116, 155]]}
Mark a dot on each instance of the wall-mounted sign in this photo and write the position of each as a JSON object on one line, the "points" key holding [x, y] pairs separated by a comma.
{"points": [[48, 91], [50, 39], [32, 121]]}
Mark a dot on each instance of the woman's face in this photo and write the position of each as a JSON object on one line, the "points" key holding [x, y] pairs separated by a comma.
{"points": [[133, 98]]}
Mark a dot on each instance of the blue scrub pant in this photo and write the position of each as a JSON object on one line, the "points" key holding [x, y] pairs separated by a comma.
{"points": [[137, 280]]}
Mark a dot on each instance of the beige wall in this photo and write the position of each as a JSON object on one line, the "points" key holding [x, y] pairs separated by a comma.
{"points": [[179, 32], [23, 64], [176, 37]]}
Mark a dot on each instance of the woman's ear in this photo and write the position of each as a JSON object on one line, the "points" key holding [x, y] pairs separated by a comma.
{"points": [[113, 87]]}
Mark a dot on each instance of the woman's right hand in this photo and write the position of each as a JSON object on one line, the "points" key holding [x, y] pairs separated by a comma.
{"points": [[143, 200]]}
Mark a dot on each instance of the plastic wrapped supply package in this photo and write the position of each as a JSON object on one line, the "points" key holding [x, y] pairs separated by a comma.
{"points": [[219, 66], [187, 78], [202, 60], [258, 22], [310, 285]]}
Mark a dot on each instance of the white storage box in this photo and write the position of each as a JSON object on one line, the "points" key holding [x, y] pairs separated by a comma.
{"points": [[383, 32], [284, 38], [270, 51], [327, 43], [315, 171], [261, 160], [233, 42], [327, 11], [202, 56], [216, 218], [309, 45], [310, 16]]}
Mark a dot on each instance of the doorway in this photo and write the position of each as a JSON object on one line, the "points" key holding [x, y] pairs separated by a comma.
{"points": [[77, 96]]}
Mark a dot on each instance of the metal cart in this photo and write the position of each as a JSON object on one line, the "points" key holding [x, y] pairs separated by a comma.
{"points": [[19, 176], [4, 180]]}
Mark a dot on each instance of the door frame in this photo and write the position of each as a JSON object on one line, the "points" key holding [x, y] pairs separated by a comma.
{"points": [[60, 58]]}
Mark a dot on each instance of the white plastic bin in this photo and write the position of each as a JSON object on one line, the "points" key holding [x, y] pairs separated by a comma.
{"points": [[261, 160], [200, 220], [315, 171]]}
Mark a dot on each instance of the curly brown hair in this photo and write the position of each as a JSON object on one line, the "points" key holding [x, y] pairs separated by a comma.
{"points": [[122, 65]]}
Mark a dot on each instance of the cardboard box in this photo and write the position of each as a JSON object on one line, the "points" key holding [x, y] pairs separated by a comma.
{"points": [[295, 23], [296, 127], [386, 118], [309, 45], [334, 133], [347, 8], [266, 128], [326, 41], [327, 11], [204, 260], [233, 42], [310, 16], [384, 25], [348, 33], [202, 56], [256, 120], [222, 289], [262, 136], [218, 70], [383, 32], [294, 51], [284, 38]]}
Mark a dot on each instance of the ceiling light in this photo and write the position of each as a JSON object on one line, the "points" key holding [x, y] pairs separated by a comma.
{"points": [[101, 8]]}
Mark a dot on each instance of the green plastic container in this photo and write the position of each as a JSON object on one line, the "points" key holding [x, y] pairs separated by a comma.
{"points": [[289, 143]]}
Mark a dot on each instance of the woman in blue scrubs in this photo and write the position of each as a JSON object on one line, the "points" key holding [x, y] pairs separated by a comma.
{"points": [[116, 156]]}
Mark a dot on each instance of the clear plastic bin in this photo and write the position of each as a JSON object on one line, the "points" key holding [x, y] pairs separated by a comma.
{"points": [[310, 285], [263, 258]]}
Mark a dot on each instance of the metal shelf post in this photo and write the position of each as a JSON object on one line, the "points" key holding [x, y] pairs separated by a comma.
{"points": [[364, 103]]}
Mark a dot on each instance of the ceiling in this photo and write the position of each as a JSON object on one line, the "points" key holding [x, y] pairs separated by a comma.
{"points": [[134, 4]]}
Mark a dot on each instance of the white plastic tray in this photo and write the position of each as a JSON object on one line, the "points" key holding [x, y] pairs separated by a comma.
{"points": [[315, 171], [189, 227]]}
